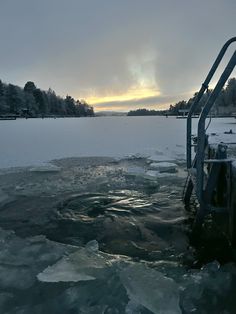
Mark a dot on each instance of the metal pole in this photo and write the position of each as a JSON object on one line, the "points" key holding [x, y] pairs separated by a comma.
{"points": [[201, 124], [199, 96]]}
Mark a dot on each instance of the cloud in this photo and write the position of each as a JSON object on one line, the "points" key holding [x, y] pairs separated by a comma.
{"points": [[100, 49], [155, 102]]}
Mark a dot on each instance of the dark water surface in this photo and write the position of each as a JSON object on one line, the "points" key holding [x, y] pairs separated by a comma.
{"points": [[145, 262]]}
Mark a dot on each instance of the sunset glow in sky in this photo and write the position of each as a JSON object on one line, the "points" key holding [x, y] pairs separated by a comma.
{"points": [[117, 55]]}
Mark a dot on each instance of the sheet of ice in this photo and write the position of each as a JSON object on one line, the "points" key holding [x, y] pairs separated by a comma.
{"points": [[148, 175], [83, 265], [145, 287], [135, 171], [65, 271], [163, 166], [34, 141], [151, 289], [219, 125], [158, 174], [160, 157], [47, 167], [21, 259], [220, 130]]}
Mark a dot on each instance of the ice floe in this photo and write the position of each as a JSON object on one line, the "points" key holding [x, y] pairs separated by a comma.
{"points": [[151, 289], [45, 168], [164, 166], [83, 265]]}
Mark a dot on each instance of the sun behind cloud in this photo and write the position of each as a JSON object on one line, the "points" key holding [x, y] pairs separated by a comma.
{"points": [[134, 94], [141, 69]]}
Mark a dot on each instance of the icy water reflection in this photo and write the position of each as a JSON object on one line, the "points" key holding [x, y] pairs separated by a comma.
{"points": [[123, 222], [99, 235]]}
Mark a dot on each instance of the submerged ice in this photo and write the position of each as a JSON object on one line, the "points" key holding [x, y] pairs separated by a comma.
{"points": [[151, 289], [145, 287], [38, 275]]}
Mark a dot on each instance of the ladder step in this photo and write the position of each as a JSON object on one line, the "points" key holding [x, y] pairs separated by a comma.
{"points": [[213, 209], [214, 161]]}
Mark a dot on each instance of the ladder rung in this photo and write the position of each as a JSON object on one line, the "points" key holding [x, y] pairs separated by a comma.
{"points": [[212, 161], [213, 209]]}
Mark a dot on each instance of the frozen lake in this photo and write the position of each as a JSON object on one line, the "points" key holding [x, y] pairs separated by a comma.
{"points": [[98, 236], [33, 141]]}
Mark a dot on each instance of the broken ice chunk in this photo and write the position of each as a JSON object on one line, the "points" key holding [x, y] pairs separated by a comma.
{"points": [[135, 171], [45, 168], [64, 270], [156, 174], [92, 246], [82, 265], [164, 166], [151, 289], [159, 158]]}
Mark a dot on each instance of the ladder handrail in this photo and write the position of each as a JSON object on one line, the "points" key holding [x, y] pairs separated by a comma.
{"points": [[199, 96], [201, 136]]}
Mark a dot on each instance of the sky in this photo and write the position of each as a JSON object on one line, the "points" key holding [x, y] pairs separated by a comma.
{"points": [[117, 55]]}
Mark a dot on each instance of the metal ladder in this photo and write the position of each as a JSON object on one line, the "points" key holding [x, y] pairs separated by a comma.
{"points": [[204, 184]]}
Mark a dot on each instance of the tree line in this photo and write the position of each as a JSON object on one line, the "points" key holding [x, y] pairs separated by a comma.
{"points": [[226, 98], [145, 112], [33, 102]]}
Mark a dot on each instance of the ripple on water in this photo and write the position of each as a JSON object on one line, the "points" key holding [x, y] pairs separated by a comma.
{"points": [[124, 222], [123, 202]]}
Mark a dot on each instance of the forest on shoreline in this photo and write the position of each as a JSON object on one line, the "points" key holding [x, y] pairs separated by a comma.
{"points": [[225, 104], [31, 101]]}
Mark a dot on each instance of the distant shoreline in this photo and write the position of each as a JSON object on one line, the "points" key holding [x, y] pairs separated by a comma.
{"points": [[12, 117]]}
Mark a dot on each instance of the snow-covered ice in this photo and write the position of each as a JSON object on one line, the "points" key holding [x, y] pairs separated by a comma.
{"points": [[35, 141]]}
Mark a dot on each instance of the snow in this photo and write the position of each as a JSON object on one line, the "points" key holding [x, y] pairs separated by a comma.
{"points": [[220, 131], [35, 141]]}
